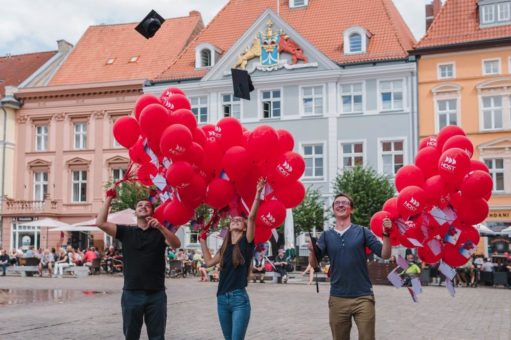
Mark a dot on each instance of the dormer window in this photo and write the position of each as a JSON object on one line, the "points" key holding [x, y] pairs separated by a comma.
{"points": [[493, 14], [355, 40], [298, 3], [205, 55]]}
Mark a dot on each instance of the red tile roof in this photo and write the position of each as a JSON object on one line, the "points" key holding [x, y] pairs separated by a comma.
{"points": [[458, 23], [87, 63], [322, 23], [16, 68]]}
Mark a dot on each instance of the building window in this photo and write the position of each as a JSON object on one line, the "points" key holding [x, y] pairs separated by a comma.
{"points": [[355, 43], [492, 113], [40, 185], [488, 14], [351, 95], [298, 3], [41, 138], [194, 237], [503, 11], [23, 237], [496, 167], [205, 57], [355, 40], [271, 104], [117, 174], [79, 186], [491, 67], [314, 160], [446, 71], [80, 135], [447, 112], [312, 100], [200, 108], [352, 155], [391, 95], [392, 153], [231, 106]]}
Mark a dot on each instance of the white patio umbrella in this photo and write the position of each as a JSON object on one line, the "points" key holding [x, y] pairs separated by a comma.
{"points": [[125, 217], [506, 231], [484, 229], [76, 228], [45, 222]]}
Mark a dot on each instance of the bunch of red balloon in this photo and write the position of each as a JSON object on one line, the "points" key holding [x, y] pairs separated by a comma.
{"points": [[441, 197], [218, 165]]}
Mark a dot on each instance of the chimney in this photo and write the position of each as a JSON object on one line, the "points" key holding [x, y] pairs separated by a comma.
{"points": [[194, 13], [432, 10], [64, 46]]}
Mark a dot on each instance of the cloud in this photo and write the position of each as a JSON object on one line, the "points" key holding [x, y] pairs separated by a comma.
{"points": [[35, 25]]}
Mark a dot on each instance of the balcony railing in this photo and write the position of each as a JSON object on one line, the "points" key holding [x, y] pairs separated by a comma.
{"points": [[11, 206]]}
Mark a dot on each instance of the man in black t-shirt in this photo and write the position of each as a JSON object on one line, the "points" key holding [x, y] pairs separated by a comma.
{"points": [[143, 249]]}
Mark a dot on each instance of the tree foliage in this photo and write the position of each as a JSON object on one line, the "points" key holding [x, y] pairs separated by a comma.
{"points": [[128, 194], [368, 189], [310, 213]]}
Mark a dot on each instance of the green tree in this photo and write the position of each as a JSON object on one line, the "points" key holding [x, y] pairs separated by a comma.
{"points": [[310, 213], [368, 189], [128, 194]]}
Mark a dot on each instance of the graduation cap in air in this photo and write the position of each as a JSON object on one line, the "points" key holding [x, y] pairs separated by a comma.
{"points": [[241, 83], [150, 24]]}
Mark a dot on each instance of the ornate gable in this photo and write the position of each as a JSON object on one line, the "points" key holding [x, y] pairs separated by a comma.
{"points": [[501, 145], [78, 162], [39, 163]]}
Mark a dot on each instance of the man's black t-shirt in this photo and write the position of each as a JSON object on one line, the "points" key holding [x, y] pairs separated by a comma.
{"points": [[143, 254], [235, 278]]}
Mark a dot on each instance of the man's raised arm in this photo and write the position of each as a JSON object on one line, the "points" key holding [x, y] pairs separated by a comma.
{"points": [[101, 219]]}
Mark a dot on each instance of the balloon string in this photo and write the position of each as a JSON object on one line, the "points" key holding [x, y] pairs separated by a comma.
{"points": [[129, 175]]}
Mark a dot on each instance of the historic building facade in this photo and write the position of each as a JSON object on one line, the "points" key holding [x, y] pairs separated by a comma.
{"points": [[464, 67], [336, 75]]}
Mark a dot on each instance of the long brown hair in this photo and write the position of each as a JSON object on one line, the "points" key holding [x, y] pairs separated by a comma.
{"points": [[237, 256]]}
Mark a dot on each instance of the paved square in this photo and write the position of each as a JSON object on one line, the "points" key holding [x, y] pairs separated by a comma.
{"points": [[292, 311]]}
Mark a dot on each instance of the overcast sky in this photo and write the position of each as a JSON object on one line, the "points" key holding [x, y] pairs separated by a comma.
{"points": [[35, 25]]}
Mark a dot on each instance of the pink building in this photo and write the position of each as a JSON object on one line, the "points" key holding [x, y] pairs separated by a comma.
{"points": [[65, 151]]}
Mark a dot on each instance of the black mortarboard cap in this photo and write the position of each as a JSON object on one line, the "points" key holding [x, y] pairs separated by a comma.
{"points": [[241, 83], [150, 25]]}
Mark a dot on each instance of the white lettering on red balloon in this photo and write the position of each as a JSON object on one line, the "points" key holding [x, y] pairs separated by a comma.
{"points": [[268, 219], [285, 168], [449, 164], [412, 205]]}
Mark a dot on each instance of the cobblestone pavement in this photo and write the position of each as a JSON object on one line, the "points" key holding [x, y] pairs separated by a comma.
{"points": [[292, 311]]}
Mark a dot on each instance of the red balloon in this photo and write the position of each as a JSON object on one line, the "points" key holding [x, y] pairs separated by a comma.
{"points": [[159, 212], [472, 210], [478, 165], [126, 131], [460, 142], [435, 189], [446, 133], [153, 121], [409, 175], [390, 206], [426, 254], [262, 143], [289, 168], [199, 136], [262, 235], [175, 140], [236, 163], [179, 174], [411, 229], [271, 214], [376, 222], [219, 193], [143, 101], [194, 155], [286, 141], [411, 201], [176, 213], [427, 160], [229, 132], [290, 195], [210, 132], [428, 141], [145, 173], [177, 101], [477, 184], [184, 117], [213, 155], [458, 251], [164, 98], [193, 194], [137, 153], [453, 166]]}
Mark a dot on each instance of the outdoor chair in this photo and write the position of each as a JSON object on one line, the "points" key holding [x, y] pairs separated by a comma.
{"points": [[176, 269], [500, 278], [96, 266]]}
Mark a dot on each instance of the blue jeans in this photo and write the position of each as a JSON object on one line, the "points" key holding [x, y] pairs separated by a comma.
{"points": [[140, 305], [234, 313]]}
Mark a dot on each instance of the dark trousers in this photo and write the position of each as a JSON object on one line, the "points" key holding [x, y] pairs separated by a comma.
{"points": [[4, 268], [139, 306]]}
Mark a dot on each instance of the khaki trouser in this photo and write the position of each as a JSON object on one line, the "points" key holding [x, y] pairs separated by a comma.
{"points": [[343, 309]]}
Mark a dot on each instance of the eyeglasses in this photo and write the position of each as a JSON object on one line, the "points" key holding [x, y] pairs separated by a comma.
{"points": [[343, 203], [237, 219]]}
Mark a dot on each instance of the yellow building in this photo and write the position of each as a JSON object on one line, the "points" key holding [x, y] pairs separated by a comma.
{"points": [[464, 75]]}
